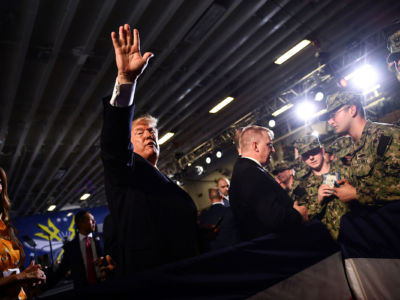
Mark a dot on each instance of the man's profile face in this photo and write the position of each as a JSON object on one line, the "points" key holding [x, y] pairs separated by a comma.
{"points": [[87, 224], [314, 158], [340, 120], [266, 148], [223, 186], [284, 175], [145, 140]]}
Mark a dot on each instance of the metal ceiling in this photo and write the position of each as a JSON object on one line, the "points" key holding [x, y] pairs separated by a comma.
{"points": [[57, 64]]}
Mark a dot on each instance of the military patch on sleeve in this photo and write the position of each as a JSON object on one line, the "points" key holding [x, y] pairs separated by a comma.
{"points": [[384, 143]]}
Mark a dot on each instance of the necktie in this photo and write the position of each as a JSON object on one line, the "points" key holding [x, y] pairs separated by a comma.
{"points": [[91, 272]]}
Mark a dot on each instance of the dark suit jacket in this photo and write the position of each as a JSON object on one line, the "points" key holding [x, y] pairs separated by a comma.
{"points": [[154, 220], [72, 260], [227, 235], [260, 206]]}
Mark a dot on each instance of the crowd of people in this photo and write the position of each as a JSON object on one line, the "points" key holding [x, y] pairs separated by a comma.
{"points": [[155, 222]]}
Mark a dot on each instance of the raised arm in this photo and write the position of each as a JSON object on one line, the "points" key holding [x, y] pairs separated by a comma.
{"points": [[130, 62]]}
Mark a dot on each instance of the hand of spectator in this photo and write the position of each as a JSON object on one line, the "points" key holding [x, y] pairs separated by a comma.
{"points": [[303, 211], [98, 261], [324, 190], [130, 62], [32, 274], [108, 269], [345, 192]]}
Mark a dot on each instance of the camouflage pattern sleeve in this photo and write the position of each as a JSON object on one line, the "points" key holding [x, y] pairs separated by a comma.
{"points": [[375, 165]]}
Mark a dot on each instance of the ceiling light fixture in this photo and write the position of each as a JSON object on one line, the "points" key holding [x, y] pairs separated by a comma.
{"points": [[271, 123], [165, 137], [284, 57], [282, 109], [51, 207], [85, 196], [221, 105]]}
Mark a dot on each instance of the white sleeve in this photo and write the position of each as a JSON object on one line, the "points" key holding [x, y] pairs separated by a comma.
{"points": [[123, 94]]}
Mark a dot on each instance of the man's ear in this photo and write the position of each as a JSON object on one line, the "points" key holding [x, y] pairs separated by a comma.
{"points": [[254, 146], [353, 111]]}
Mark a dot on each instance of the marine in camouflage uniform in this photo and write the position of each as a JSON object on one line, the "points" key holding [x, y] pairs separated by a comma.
{"points": [[281, 167], [331, 209], [375, 162]]}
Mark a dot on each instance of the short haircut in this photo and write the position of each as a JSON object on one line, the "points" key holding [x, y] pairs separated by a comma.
{"points": [[80, 215], [248, 133], [359, 106], [149, 119], [214, 194]]}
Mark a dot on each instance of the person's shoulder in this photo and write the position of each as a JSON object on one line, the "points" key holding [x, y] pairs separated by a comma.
{"points": [[384, 128]]}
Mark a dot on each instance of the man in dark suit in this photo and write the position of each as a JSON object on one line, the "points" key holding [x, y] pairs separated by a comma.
{"points": [[260, 205], [84, 254], [154, 220], [217, 217]]}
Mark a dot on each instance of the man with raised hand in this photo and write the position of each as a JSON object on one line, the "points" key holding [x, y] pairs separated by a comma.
{"points": [[154, 219]]}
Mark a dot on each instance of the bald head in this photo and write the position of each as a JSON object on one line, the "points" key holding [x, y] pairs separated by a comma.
{"points": [[214, 195], [223, 186], [256, 143]]}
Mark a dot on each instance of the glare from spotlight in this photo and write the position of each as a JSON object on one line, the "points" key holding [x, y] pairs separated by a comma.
{"points": [[364, 78], [271, 123], [189, 164], [319, 96], [69, 214], [218, 154], [315, 133], [199, 170], [305, 110], [208, 160], [180, 183], [51, 208]]}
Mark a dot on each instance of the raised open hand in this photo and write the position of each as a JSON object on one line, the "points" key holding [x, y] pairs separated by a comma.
{"points": [[130, 62]]}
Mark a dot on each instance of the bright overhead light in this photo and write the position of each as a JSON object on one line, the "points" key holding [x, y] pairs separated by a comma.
{"points": [[199, 170], [364, 78], [315, 133], [51, 208], [69, 214], [271, 123], [165, 137], [319, 96], [300, 46], [305, 110], [282, 109], [208, 160], [189, 164], [221, 105], [85, 196], [218, 154]]}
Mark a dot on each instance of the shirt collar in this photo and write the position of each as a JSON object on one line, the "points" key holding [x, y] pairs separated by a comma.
{"points": [[256, 161], [83, 237]]}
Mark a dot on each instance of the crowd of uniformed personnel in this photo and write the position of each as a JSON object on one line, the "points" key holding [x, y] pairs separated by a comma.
{"points": [[360, 168]]}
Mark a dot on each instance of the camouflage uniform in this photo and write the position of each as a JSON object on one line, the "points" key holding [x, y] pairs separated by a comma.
{"points": [[341, 147], [393, 44], [331, 209], [375, 163]]}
